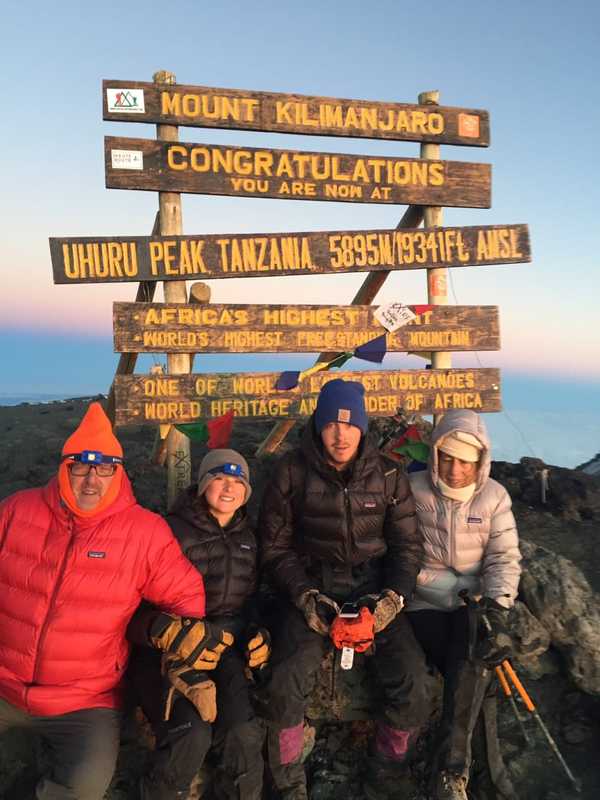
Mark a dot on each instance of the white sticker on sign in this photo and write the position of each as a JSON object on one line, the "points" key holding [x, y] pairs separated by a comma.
{"points": [[127, 159], [125, 101], [393, 316]]}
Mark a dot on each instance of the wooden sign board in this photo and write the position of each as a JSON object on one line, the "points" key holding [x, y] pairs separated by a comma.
{"points": [[232, 255], [209, 107], [152, 165], [181, 328], [154, 399]]}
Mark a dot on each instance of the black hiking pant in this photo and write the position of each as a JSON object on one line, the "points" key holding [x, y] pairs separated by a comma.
{"points": [[182, 743], [444, 637], [397, 668], [82, 745]]}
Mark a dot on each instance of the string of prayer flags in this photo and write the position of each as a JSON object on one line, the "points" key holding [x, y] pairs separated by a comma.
{"points": [[219, 430], [215, 433], [374, 350], [291, 378], [196, 431]]}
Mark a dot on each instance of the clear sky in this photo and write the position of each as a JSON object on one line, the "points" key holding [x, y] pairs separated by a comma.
{"points": [[533, 65]]}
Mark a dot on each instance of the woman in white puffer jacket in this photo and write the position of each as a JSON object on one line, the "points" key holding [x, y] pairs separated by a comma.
{"points": [[470, 542]]}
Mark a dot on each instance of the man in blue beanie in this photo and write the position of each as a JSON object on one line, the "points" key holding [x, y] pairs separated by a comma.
{"points": [[337, 526]]}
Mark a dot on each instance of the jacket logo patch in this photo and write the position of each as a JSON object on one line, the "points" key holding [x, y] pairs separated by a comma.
{"points": [[245, 547], [96, 554], [476, 520], [370, 504]]}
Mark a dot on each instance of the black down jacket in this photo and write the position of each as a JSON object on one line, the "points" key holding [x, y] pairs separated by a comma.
{"points": [[312, 514], [226, 557]]}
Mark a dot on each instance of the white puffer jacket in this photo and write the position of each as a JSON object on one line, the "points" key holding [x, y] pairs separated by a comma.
{"points": [[472, 545]]}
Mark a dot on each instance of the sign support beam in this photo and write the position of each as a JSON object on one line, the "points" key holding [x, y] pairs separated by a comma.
{"points": [[179, 464], [437, 279]]}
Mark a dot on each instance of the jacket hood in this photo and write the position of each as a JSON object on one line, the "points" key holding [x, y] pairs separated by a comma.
{"points": [[467, 422], [194, 510], [124, 499]]}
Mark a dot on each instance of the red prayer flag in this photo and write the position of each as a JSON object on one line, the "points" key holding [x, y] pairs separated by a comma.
{"points": [[219, 431]]}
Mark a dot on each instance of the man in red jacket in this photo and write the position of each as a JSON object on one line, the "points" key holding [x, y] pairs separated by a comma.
{"points": [[76, 558]]}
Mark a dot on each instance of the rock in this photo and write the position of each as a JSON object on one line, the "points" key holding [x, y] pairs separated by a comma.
{"points": [[556, 592], [531, 640]]}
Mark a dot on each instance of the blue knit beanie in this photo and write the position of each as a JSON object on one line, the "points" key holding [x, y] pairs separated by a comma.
{"points": [[341, 401]]}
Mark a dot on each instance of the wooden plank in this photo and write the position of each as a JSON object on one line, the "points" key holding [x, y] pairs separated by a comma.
{"points": [[114, 259], [210, 107], [150, 165], [238, 328], [151, 399]]}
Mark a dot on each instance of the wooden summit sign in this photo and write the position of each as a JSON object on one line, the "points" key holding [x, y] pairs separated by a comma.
{"points": [[180, 328], [207, 107], [153, 165], [232, 255], [145, 399]]}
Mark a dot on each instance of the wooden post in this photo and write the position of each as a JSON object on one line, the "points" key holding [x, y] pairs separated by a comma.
{"points": [[412, 218], [127, 361], [437, 279], [199, 294], [179, 466]]}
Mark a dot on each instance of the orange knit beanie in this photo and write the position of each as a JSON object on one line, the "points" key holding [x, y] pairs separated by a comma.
{"points": [[94, 433]]}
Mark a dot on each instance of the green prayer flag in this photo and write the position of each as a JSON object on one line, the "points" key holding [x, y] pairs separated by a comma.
{"points": [[196, 431]]}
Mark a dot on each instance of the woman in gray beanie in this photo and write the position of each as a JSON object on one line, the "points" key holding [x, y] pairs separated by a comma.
{"points": [[210, 521]]}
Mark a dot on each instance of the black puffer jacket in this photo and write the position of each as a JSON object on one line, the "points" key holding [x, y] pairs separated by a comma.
{"points": [[313, 515], [226, 557]]}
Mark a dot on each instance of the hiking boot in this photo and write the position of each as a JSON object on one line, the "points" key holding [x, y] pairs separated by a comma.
{"points": [[450, 786]]}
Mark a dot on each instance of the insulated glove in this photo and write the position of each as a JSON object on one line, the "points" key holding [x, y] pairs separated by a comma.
{"points": [[258, 648], [495, 644], [194, 685], [385, 607], [318, 609], [193, 642], [355, 632]]}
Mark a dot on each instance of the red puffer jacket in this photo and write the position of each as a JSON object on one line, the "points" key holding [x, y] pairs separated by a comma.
{"points": [[68, 587]]}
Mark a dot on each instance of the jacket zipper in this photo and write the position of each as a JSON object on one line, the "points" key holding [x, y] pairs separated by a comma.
{"points": [[227, 566], [453, 533], [57, 582], [348, 525]]}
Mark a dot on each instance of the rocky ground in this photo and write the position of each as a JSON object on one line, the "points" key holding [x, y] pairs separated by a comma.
{"points": [[556, 624]]}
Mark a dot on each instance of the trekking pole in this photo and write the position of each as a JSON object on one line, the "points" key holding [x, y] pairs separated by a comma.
{"points": [[507, 691], [506, 665]]}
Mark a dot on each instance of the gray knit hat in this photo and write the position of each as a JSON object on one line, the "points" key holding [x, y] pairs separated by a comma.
{"points": [[224, 462]]}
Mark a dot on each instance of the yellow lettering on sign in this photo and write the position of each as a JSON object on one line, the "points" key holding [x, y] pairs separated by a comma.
{"points": [[429, 340], [172, 411], [203, 386], [445, 400]]}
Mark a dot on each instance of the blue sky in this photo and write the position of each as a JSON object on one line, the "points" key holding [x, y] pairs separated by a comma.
{"points": [[533, 65]]}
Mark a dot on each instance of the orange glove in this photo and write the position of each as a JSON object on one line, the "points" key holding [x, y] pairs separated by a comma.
{"points": [[357, 632]]}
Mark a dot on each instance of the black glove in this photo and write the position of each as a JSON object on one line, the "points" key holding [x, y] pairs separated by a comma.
{"points": [[193, 642], [495, 643], [318, 609]]}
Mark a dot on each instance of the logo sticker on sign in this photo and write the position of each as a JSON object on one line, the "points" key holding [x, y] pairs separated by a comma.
{"points": [[127, 159], [468, 125], [125, 101], [393, 316]]}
